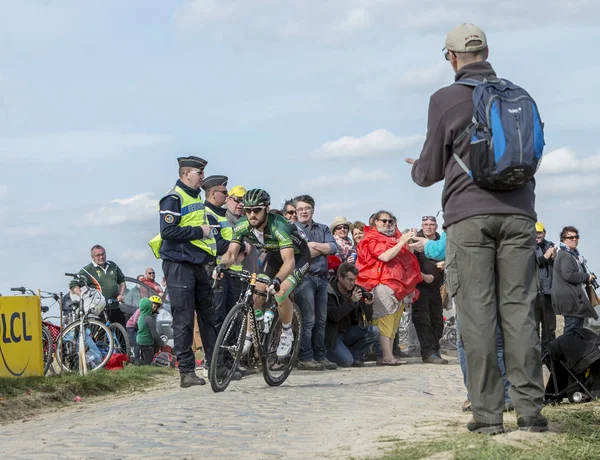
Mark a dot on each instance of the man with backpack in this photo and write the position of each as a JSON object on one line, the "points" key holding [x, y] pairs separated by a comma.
{"points": [[485, 139]]}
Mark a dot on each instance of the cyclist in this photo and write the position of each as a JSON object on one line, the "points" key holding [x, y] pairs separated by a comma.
{"points": [[287, 260]]}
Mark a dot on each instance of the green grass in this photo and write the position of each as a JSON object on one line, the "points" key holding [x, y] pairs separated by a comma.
{"points": [[575, 433], [25, 396]]}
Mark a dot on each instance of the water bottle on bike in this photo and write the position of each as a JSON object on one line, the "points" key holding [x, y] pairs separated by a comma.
{"points": [[268, 318]]}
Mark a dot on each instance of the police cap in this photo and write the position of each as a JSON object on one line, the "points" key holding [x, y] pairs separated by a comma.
{"points": [[192, 162], [214, 181]]}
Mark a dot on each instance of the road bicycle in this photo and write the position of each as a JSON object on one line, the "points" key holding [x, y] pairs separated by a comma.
{"points": [[230, 340], [86, 344]]}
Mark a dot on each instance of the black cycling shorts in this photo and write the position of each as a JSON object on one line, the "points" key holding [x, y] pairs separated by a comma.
{"points": [[273, 263]]}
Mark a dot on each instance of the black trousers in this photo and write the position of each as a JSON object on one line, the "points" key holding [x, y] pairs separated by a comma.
{"points": [[427, 316], [146, 355], [225, 296], [544, 315], [116, 316], [190, 292]]}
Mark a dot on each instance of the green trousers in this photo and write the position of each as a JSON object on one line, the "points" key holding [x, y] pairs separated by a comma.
{"points": [[491, 273]]}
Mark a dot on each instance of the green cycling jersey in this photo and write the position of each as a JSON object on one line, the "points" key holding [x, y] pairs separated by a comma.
{"points": [[278, 234]]}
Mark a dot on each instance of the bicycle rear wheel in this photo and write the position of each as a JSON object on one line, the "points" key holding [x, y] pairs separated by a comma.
{"points": [[275, 370], [228, 348], [98, 345], [121, 338], [46, 348]]}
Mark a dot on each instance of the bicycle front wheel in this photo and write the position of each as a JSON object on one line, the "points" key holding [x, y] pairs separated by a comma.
{"points": [[98, 345], [228, 348], [47, 348], [277, 370], [121, 338]]}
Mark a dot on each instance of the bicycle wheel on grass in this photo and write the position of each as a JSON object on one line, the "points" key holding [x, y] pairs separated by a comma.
{"points": [[98, 345], [228, 348], [275, 370], [46, 348], [121, 338]]}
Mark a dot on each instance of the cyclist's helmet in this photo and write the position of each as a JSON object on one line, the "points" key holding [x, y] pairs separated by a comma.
{"points": [[256, 197], [155, 299]]}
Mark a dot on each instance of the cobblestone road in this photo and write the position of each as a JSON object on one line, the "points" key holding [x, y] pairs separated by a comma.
{"points": [[331, 414]]}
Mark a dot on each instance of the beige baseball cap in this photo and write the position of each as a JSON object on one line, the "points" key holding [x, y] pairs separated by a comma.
{"points": [[465, 38]]}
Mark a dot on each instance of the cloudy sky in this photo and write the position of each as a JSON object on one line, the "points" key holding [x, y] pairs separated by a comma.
{"points": [[321, 97]]}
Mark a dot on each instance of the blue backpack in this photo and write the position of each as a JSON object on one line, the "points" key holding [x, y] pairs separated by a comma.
{"points": [[507, 135]]}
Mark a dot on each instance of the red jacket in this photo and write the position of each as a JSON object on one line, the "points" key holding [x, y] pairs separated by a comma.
{"points": [[401, 274]]}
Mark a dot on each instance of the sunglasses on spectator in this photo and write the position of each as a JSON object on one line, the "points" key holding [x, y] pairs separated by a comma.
{"points": [[151, 273], [290, 212], [236, 199], [254, 210], [572, 237], [425, 218], [341, 227], [386, 221]]}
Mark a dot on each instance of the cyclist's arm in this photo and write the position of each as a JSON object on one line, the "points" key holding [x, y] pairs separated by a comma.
{"points": [[289, 263], [229, 257]]}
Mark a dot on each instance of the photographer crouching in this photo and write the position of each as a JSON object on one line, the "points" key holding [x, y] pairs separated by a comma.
{"points": [[349, 308]]}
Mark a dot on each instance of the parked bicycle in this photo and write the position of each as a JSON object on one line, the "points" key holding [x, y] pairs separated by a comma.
{"points": [[119, 333], [230, 341], [86, 344]]}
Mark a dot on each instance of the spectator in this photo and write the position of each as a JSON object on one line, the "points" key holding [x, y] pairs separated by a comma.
{"points": [[391, 271], [340, 229], [311, 293], [132, 325], [107, 277], [491, 257], [569, 296], [427, 311], [358, 232], [149, 279], [148, 338], [348, 335], [544, 314], [289, 211]]}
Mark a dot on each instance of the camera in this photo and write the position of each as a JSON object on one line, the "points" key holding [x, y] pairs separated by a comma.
{"points": [[366, 295], [594, 283]]}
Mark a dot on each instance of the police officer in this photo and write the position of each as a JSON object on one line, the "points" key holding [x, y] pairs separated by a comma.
{"points": [[225, 297], [188, 249]]}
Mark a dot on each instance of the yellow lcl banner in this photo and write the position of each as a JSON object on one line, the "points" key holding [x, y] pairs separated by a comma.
{"points": [[20, 336]]}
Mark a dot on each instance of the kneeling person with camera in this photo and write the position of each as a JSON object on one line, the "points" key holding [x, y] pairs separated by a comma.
{"points": [[349, 308]]}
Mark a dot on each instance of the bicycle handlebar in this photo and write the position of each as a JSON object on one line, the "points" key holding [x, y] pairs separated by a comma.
{"points": [[72, 275], [18, 289]]}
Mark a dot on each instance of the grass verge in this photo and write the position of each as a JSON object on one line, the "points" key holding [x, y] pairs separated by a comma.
{"points": [[22, 397], [575, 433]]}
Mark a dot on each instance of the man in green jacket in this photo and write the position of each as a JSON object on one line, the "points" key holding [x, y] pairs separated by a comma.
{"points": [[107, 277]]}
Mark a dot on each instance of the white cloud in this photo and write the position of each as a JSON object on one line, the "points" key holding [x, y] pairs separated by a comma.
{"points": [[566, 184], [337, 20], [27, 231], [138, 208], [377, 142], [76, 145], [353, 176], [427, 77], [564, 160]]}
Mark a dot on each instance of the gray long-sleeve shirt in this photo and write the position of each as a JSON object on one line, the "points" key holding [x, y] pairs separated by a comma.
{"points": [[450, 112]]}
